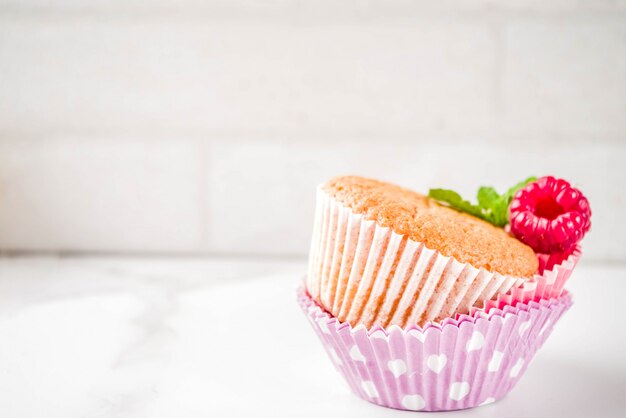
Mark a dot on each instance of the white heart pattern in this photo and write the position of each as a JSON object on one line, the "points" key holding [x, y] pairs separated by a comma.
{"points": [[436, 363], [397, 367], [496, 360], [356, 354], [369, 388], [413, 402], [459, 390], [517, 368], [476, 342], [523, 327]]}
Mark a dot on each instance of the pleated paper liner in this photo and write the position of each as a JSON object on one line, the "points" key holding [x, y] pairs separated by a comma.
{"points": [[456, 364], [554, 272], [366, 274]]}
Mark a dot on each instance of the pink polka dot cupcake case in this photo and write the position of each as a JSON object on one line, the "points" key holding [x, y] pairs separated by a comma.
{"points": [[463, 363], [475, 353]]}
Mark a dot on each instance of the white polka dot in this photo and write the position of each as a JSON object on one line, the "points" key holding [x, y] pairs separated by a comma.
{"points": [[496, 360], [476, 342], [369, 388], [356, 354], [488, 401], [517, 368], [413, 402], [397, 367], [459, 390], [436, 363]]}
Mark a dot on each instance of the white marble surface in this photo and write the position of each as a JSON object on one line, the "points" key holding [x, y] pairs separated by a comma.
{"points": [[124, 337]]}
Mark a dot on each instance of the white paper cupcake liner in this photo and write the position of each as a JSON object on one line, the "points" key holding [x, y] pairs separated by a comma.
{"points": [[554, 272], [366, 274]]}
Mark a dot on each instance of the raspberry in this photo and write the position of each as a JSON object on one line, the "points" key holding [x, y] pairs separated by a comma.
{"points": [[550, 215]]}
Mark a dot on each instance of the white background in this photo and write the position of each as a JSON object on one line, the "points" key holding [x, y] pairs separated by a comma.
{"points": [[202, 127]]}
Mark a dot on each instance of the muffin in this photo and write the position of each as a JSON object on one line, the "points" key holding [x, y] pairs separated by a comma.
{"points": [[385, 255], [435, 303]]}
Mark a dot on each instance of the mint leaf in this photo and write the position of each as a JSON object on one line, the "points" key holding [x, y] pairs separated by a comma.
{"points": [[492, 206], [487, 196], [453, 199], [507, 198], [488, 200]]}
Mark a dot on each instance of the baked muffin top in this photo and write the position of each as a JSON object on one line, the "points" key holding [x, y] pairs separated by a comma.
{"points": [[452, 233]]}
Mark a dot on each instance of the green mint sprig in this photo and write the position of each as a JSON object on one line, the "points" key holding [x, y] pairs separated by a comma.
{"points": [[492, 206]]}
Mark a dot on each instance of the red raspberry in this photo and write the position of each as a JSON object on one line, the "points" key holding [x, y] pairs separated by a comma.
{"points": [[550, 215]]}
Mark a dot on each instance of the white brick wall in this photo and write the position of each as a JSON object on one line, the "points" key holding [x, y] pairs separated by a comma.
{"points": [[565, 78], [204, 126], [102, 194]]}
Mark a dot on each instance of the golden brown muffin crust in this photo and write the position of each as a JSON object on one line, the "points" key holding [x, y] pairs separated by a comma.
{"points": [[460, 235]]}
